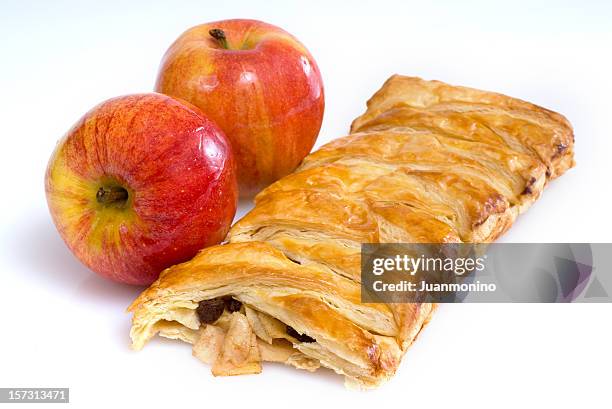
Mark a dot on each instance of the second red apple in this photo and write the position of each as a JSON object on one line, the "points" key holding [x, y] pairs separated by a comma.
{"points": [[259, 84]]}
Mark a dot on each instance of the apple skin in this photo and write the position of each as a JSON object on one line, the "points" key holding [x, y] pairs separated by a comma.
{"points": [[265, 92], [178, 172]]}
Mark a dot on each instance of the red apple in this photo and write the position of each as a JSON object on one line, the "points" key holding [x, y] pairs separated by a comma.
{"points": [[259, 84], [140, 183]]}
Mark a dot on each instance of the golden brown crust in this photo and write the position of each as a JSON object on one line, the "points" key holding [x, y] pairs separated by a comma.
{"points": [[547, 133], [427, 162]]}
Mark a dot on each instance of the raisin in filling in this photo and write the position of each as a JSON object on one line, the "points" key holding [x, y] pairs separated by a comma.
{"points": [[300, 337], [209, 311]]}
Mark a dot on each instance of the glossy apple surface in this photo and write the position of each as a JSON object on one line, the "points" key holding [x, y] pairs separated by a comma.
{"points": [[259, 84], [140, 183]]}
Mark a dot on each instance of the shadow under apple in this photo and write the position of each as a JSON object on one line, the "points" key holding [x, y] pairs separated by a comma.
{"points": [[43, 261], [46, 261]]}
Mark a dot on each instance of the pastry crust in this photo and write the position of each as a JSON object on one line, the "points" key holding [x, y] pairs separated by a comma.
{"points": [[427, 162]]}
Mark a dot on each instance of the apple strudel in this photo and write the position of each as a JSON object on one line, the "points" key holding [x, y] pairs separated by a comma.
{"points": [[427, 163]]}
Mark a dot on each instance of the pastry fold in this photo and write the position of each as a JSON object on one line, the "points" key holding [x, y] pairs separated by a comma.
{"points": [[426, 163]]}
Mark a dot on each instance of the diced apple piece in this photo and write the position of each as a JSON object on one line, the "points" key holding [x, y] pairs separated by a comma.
{"points": [[208, 345], [257, 326], [274, 328], [239, 353]]}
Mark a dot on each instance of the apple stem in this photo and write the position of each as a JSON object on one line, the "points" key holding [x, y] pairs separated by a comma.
{"points": [[219, 35], [111, 195]]}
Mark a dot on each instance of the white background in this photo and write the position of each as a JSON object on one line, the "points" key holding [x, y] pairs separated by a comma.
{"points": [[62, 326]]}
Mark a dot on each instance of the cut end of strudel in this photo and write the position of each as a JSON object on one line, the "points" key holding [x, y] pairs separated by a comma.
{"points": [[426, 163]]}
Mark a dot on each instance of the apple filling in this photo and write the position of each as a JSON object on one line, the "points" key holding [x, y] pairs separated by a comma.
{"points": [[235, 338]]}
